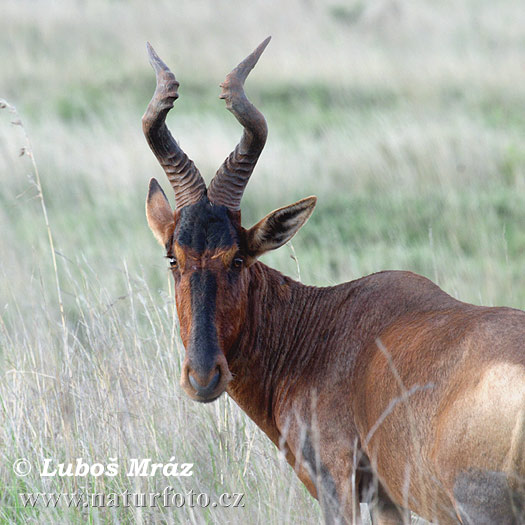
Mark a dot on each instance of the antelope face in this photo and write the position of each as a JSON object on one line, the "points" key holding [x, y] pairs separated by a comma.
{"points": [[209, 252], [210, 285], [210, 255]]}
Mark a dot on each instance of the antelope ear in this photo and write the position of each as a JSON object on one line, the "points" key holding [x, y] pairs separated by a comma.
{"points": [[159, 213], [278, 227]]}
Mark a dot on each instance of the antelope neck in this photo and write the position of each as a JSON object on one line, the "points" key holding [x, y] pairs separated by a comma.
{"points": [[283, 336]]}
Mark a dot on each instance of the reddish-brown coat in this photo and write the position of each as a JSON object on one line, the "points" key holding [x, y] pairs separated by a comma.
{"points": [[331, 361]]}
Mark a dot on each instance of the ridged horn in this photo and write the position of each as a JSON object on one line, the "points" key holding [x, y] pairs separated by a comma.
{"points": [[184, 177], [227, 187]]}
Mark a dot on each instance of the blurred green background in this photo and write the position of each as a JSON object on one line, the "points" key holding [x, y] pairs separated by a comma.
{"points": [[405, 118]]}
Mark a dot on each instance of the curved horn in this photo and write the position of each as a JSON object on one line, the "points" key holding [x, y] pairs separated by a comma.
{"points": [[231, 178], [185, 178]]}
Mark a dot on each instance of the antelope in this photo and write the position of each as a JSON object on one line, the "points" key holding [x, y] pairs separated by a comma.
{"points": [[383, 390]]}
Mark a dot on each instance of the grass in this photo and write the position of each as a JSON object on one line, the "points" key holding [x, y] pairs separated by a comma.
{"points": [[407, 122]]}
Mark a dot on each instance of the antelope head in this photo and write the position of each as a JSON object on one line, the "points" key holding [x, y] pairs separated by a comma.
{"points": [[209, 251]]}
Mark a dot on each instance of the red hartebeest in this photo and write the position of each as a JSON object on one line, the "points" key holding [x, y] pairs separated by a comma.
{"points": [[384, 389]]}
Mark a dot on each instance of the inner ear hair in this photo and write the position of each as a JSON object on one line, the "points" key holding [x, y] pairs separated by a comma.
{"points": [[278, 227]]}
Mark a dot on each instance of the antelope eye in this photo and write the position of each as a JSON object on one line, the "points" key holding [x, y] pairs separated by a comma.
{"points": [[173, 262], [238, 262]]}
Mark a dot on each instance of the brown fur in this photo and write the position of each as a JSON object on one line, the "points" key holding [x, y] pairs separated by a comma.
{"points": [[348, 351]]}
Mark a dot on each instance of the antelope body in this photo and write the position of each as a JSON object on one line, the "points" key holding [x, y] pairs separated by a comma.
{"points": [[383, 390]]}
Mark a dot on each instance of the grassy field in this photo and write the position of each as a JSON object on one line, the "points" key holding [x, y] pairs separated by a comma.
{"points": [[406, 120]]}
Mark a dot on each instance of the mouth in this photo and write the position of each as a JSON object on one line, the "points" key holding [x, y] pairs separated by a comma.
{"points": [[207, 390], [207, 399], [208, 393], [206, 387]]}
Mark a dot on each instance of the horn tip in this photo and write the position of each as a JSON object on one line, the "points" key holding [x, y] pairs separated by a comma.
{"points": [[260, 48], [154, 59], [151, 51], [266, 41]]}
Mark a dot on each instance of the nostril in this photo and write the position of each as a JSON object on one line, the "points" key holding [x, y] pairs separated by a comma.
{"points": [[204, 391]]}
